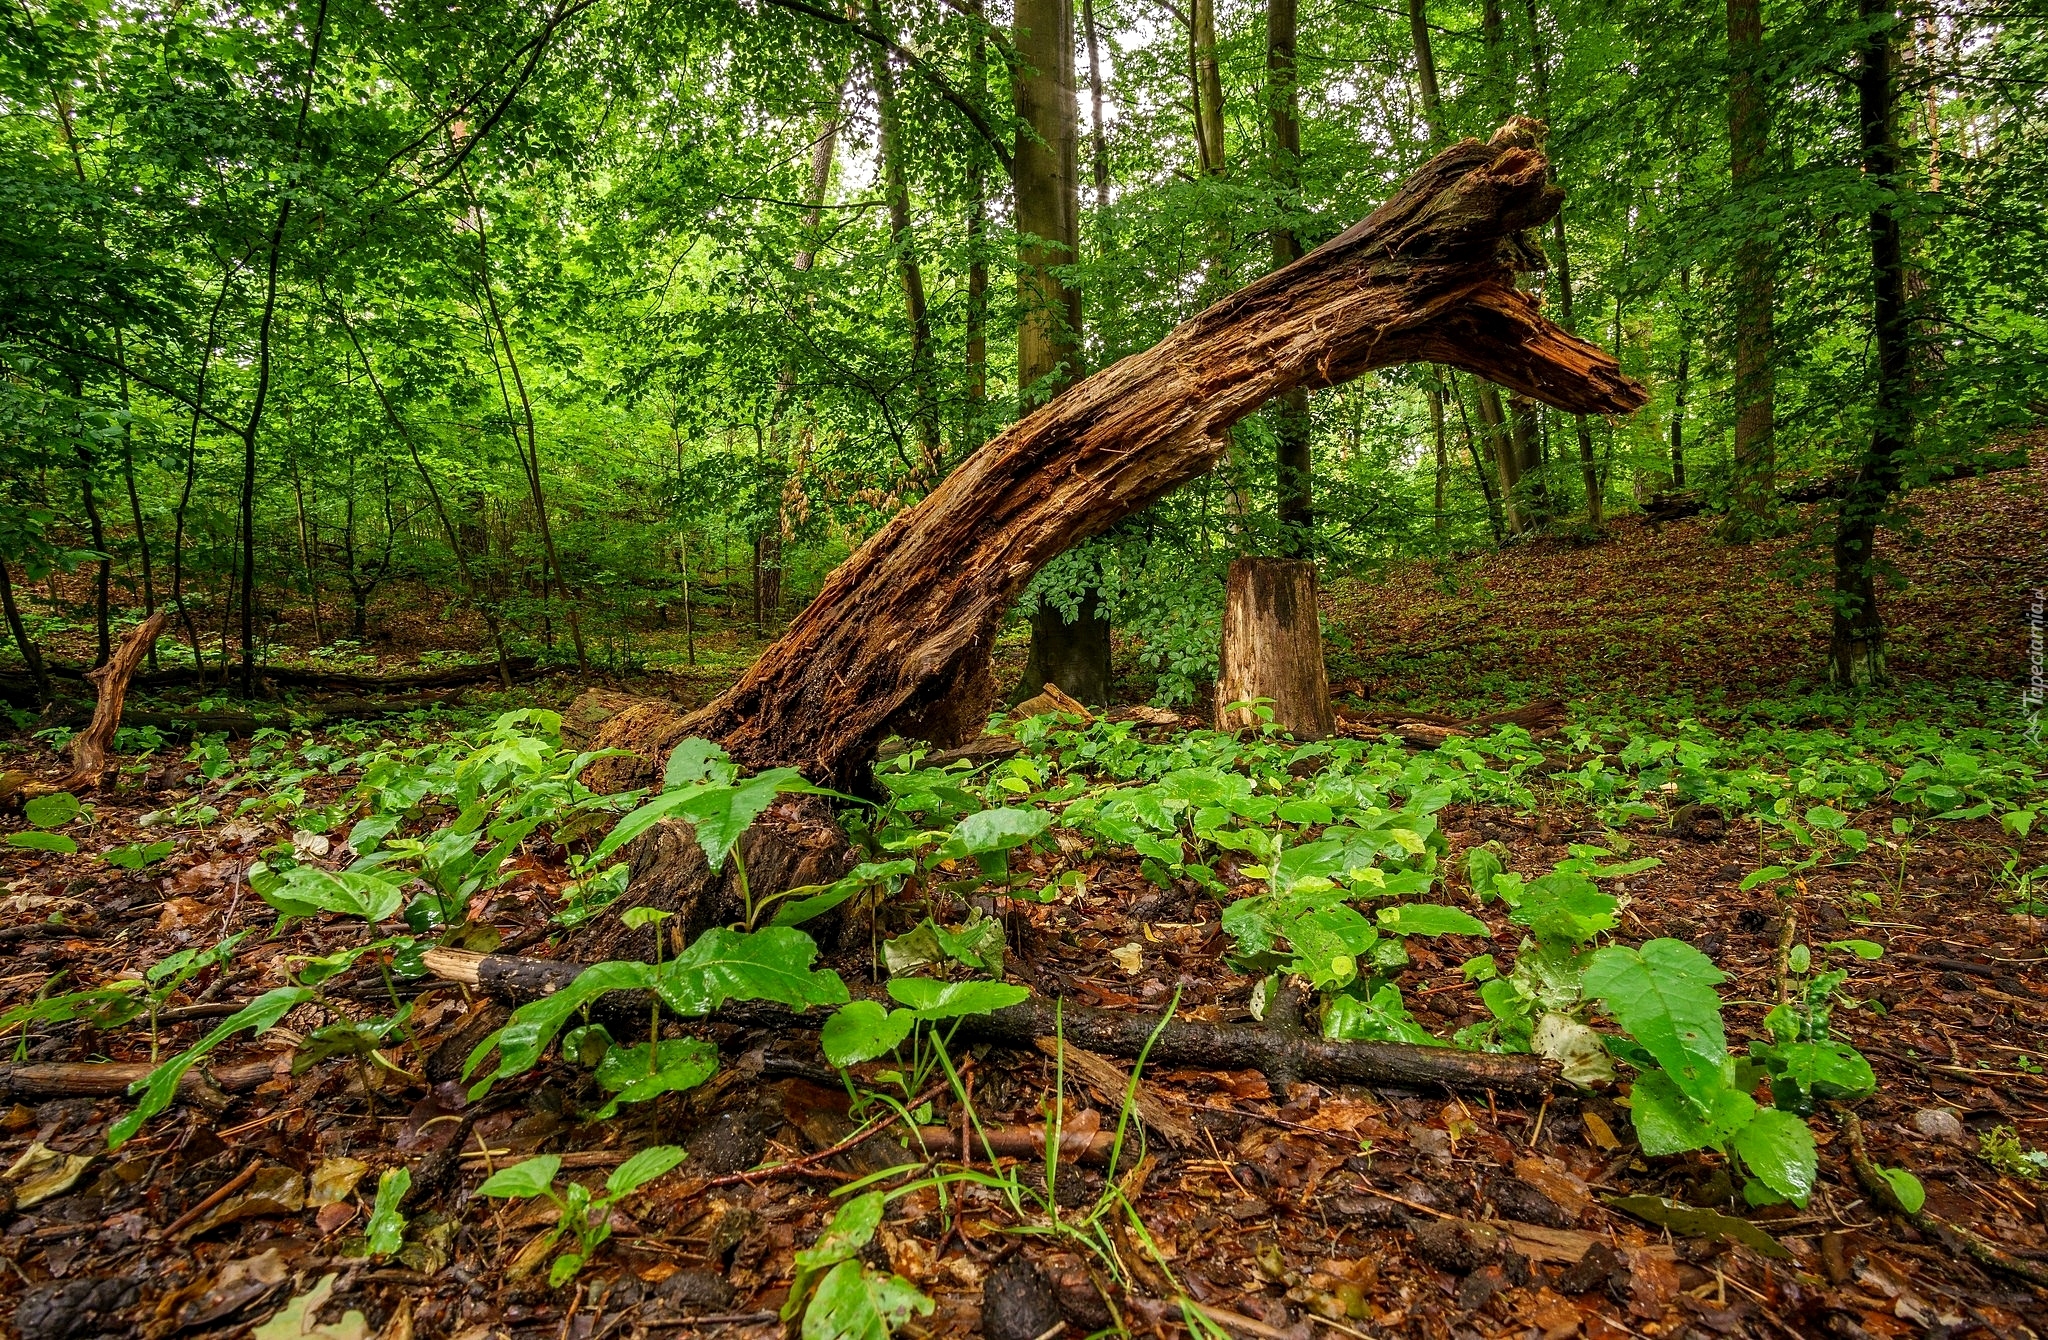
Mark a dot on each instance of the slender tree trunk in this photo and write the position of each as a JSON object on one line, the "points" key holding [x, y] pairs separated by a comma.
{"points": [[896, 187], [1208, 87], [1495, 513], [483, 604], [1755, 265], [1073, 654], [1858, 641], [255, 421], [1098, 136], [192, 475], [530, 455], [1293, 459], [30, 656], [977, 256], [1425, 71], [134, 495], [102, 595], [1443, 458], [306, 555], [1681, 381]]}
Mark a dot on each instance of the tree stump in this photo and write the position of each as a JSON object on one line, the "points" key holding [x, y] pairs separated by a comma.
{"points": [[1273, 648]]}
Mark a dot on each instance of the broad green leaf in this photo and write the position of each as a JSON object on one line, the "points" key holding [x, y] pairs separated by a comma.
{"points": [[1826, 817], [953, 1000], [386, 1231], [996, 830], [721, 814], [1865, 949], [533, 1026], [52, 811], [158, 1087], [1428, 919], [852, 1228], [855, 1303], [524, 1180], [35, 841], [695, 760], [1580, 1055], [136, 855], [1906, 1189], [1663, 996], [864, 1030], [978, 945], [104, 1007], [1565, 909], [644, 1167], [769, 964], [1666, 1121], [1777, 1148], [1382, 1018], [681, 1063], [821, 899], [306, 891], [1831, 1071], [1482, 867], [1764, 876]]}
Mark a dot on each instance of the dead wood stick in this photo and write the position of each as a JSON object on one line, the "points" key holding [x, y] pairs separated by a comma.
{"points": [[1110, 1033], [111, 1079], [92, 748], [1110, 1083], [1960, 1240]]}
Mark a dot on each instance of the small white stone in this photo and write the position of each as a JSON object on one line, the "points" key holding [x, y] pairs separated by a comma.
{"points": [[1939, 1123]]}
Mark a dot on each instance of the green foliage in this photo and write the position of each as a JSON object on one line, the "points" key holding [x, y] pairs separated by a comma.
{"points": [[258, 1016], [842, 1297], [584, 1217], [385, 1233]]}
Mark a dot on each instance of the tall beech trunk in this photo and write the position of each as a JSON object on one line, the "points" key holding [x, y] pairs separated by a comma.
{"points": [[1755, 265], [1098, 137], [1857, 651], [31, 656], [1208, 86], [1294, 463], [1432, 120], [1073, 655], [898, 639]]}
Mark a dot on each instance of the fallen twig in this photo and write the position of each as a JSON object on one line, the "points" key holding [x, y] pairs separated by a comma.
{"points": [[1962, 1241], [1109, 1032]]}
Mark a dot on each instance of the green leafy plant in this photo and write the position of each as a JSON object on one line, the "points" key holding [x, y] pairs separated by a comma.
{"points": [[385, 1233], [586, 1218], [43, 814], [842, 1297]]}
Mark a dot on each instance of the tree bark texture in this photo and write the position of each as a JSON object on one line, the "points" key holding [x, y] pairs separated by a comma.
{"points": [[1755, 266], [898, 639], [1294, 461], [1273, 648], [516, 980], [1856, 649]]}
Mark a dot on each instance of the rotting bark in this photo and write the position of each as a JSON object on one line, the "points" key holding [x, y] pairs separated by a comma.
{"points": [[1273, 648], [1106, 1032], [898, 639], [92, 748]]}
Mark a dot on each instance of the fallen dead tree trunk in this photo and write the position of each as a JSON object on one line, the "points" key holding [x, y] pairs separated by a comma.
{"points": [[898, 640], [111, 1079], [241, 725], [305, 677], [1427, 730], [1179, 1043]]}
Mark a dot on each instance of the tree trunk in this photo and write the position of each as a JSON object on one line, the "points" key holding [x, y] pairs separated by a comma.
{"points": [[1857, 650], [1098, 138], [976, 334], [1294, 462], [1679, 386], [896, 187], [31, 656], [898, 639], [1208, 87], [1755, 265], [1273, 649], [1425, 70], [1049, 325], [1074, 655]]}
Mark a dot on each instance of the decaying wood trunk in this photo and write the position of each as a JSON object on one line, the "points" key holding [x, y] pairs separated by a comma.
{"points": [[1273, 648], [898, 640]]}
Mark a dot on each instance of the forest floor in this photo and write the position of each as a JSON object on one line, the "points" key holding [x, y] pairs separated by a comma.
{"points": [[1330, 1210]]}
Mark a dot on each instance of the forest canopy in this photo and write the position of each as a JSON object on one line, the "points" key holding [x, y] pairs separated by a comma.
{"points": [[553, 321]]}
